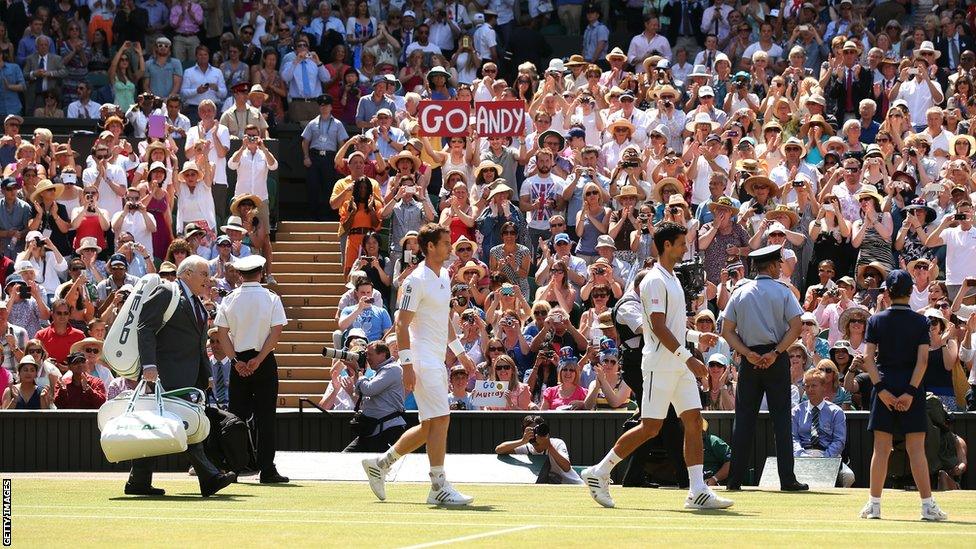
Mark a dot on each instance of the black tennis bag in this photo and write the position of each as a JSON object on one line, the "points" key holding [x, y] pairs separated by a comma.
{"points": [[229, 444]]}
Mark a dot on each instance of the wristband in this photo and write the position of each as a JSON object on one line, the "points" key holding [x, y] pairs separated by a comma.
{"points": [[911, 390], [456, 347], [879, 386], [406, 357], [682, 353]]}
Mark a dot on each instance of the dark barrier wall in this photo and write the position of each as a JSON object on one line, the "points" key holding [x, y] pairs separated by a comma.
{"points": [[68, 440]]}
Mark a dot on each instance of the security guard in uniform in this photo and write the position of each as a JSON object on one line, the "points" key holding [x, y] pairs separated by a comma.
{"points": [[249, 323], [321, 139], [761, 320]]}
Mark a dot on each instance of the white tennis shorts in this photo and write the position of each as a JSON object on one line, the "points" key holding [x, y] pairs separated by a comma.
{"points": [[664, 388], [432, 391]]}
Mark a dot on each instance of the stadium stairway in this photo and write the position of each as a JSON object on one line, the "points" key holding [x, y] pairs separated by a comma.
{"points": [[308, 271]]}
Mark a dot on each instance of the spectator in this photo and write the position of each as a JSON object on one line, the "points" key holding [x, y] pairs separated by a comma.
{"points": [[45, 261], [943, 356], [14, 342], [720, 383], [81, 390], [17, 214], [608, 390], [186, 18], [165, 73], [119, 276], [136, 220], [366, 315], [304, 74], [59, 337], [13, 78], [240, 115], [28, 44], [820, 427], [567, 395], [459, 398], [252, 162], [955, 232], [27, 394], [44, 71]]}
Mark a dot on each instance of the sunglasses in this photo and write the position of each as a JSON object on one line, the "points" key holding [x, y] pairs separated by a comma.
{"points": [[502, 368], [715, 365], [857, 321], [497, 349], [538, 313], [599, 296], [509, 232], [35, 351], [809, 323], [557, 224], [558, 271], [91, 350], [489, 71], [61, 313], [610, 361], [592, 193]]}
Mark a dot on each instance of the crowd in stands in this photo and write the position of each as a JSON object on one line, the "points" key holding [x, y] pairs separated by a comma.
{"points": [[841, 130]]}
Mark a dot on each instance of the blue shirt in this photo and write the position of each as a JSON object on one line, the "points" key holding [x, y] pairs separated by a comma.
{"points": [[325, 135], [374, 321], [592, 36], [27, 46], [161, 76], [762, 310], [368, 107], [384, 147], [158, 13], [869, 132], [10, 103], [304, 78], [319, 27], [832, 428]]}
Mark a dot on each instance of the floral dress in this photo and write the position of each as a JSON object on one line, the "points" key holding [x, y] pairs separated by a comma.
{"points": [[364, 32], [521, 252], [234, 76]]}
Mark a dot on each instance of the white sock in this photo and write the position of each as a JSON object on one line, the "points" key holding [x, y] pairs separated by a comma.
{"points": [[696, 478], [873, 499], [389, 458], [437, 479], [609, 462], [928, 502]]}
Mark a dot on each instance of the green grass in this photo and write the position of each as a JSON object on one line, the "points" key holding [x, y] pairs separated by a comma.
{"points": [[84, 512]]}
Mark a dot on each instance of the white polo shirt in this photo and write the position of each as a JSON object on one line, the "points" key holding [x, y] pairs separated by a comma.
{"points": [[252, 173], [661, 292], [108, 199], [249, 313], [960, 253], [219, 164], [428, 295]]}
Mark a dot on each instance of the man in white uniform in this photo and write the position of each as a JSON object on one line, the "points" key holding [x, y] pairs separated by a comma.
{"points": [[424, 312], [669, 377]]}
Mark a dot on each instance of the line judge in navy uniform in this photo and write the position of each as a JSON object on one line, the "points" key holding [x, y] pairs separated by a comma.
{"points": [[249, 323], [900, 336], [321, 139], [176, 355], [761, 321]]}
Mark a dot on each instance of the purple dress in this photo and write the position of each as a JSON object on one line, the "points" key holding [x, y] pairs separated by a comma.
{"points": [[163, 235]]}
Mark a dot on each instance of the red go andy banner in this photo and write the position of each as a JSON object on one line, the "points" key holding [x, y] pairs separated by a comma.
{"points": [[451, 118]]}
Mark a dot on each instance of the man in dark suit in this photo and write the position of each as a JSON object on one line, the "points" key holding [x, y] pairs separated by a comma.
{"points": [[951, 43], [849, 84], [43, 71], [175, 354], [685, 27]]}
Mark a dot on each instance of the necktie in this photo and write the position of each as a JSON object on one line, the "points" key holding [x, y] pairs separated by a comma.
{"points": [[709, 59], [41, 84], [406, 42], [886, 87], [953, 52], [306, 82], [815, 428], [849, 100], [685, 19], [83, 111], [199, 310]]}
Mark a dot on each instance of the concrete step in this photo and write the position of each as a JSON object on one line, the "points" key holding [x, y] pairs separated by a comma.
{"points": [[303, 288], [314, 373], [310, 300], [306, 267], [307, 226], [302, 386], [291, 400], [308, 257], [309, 313], [302, 347], [303, 246], [291, 361], [294, 335], [330, 239], [306, 278]]}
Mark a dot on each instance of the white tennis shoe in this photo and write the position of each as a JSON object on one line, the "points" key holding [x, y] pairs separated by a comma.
{"points": [[448, 496], [871, 511], [707, 499], [377, 477], [599, 486], [933, 513]]}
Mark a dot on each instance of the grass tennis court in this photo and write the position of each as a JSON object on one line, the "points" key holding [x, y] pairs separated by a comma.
{"points": [[92, 511]]}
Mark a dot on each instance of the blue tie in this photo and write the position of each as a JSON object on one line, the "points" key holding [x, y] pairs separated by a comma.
{"points": [[306, 83]]}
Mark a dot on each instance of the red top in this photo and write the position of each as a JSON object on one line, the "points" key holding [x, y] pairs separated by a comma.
{"points": [[73, 397], [58, 346], [89, 227]]}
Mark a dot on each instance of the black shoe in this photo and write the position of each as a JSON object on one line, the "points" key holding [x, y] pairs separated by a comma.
{"points": [[131, 490], [216, 483], [794, 486], [272, 477]]}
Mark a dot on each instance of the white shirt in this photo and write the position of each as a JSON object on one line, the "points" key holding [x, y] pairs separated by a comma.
{"points": [[775, 52], [219, 164], [193, 78], [48, 269], [960, 253], [535, 187], [940, 143], [484, 40], [428, 294], [919, 98], [504, 8], [429, 48], [249, 313], [140, 226], [661, 292], [638, 118], [569, 477], [716, 23], [107, 197], [441, 35], [88, 110], [641, 47], [699, 189], [780, 174], [252, 173]]}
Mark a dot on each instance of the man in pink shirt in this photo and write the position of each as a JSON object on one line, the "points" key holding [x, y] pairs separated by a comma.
{"points": [[186, 18]]}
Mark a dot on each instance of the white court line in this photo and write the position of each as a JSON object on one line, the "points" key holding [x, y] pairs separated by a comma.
{"points": [[697, 527], [617, 514], [491, 534]]}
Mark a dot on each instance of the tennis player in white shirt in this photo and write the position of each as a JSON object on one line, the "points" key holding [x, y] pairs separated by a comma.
{"points": [[423, 329]]}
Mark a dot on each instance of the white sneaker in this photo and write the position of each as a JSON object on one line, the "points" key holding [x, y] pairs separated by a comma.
{"points": [[448, 496], [377, 477], [707, 499], [599, 486], [872, 511], [933, 513]]}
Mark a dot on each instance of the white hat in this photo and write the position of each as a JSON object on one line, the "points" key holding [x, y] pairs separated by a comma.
{"points": [[775, 227], [234, 223], [699, 71], [23, 265], [409, 13], [605, 241], [809, 317], [31, 235], [478, 18], [249, 263], [718, 357], [556, 65], [706, 91]]}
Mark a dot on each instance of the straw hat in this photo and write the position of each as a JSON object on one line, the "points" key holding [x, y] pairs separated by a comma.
{"points": [[189, 166], [628, 191], [793, 142], [576, 61], [77, 346], [877, 266], [782, 210], [404, 155], [963, 137], [485, 165], [621, 123], [701, 118], [664, 182], [723, 203], [817, 120], [257, 89], [677, 200], [503, 188], [88, 242], [927, 47], [410, 234], [46, 185], [471, 266], [617, 53], [461, 241], [848, 314], [750, 185], [870, 192], [235, 205], [930, 265]]}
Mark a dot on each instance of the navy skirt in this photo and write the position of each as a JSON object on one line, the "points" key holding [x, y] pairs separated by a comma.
{"points": [[913, 420]]}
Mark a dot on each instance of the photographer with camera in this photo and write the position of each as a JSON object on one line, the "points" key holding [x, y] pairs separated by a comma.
{"points": [[44, 259], [379, 418], [366, 315], [955, 233], [136, 220], [537, 441], [341, 393]]}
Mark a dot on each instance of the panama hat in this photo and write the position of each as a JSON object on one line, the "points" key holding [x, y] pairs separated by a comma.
{"points": [[46, 185], [793, 142], [677, 199], [438, 70], [486, 165], [699, 71], [556, 65], [619, 54], [577, 60], [499, 189], [88, 243], [655, 93], [462, 240], [848, 314], [870, 192], [931, 265], [664, 182], [189, 166], [701, 118], [471, 266], [876, 265], [723, 202], [234, 223], [77, 346], [235, 205], [628, 191], [751, 182], [404, 155], [783, 210], [927, 47], [963, 137], [257, 89], [621, 123], [817, 120], [410, 234]]}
